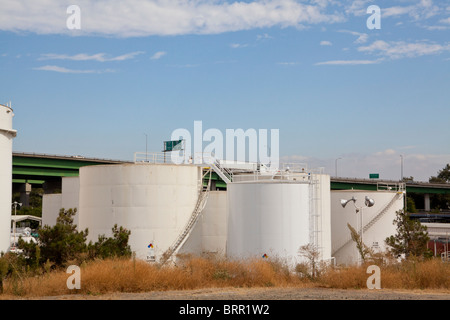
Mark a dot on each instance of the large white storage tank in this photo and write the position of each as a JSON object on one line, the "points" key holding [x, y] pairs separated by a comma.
{"points": [[377, 221], [6, 135], [153, 201], [274, 218]]}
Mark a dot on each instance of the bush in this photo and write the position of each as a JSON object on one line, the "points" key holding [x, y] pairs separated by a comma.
{"points": [[62, 244]]}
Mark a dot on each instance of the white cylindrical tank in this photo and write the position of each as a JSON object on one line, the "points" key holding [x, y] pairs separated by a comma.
{"points": [[153, 201], [377, 221], [268, 218], [6, 136]]}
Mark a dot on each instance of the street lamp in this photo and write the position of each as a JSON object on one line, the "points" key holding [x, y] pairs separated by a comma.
{"points": [[369, 202], [15, 204], [335, 166], [146, 147], [401, 176]]}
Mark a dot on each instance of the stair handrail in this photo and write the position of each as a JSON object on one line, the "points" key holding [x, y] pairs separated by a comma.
{"points": [[198, 209]]}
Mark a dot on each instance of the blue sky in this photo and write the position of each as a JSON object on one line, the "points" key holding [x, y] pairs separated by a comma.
{"points": [[312, 69]]}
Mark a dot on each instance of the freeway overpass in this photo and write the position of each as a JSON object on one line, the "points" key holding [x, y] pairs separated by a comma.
{"points": [[46, 171], [371, 184]]}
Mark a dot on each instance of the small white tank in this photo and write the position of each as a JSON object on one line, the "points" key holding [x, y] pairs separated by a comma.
{"points": [[377, 221], [274, 218], [6, 136]]}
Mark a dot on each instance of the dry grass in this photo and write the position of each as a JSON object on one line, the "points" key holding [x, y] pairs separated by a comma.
{"points": [[119, 275], [430, 274]]}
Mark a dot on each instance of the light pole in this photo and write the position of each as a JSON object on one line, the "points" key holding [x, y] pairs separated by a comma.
{"points": [[401, 166], [145, 147], [367, 203], [15, 203], [335, 166]]}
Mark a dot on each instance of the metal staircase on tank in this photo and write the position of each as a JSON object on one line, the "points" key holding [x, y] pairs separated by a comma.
{"points": [[370, 223], [199, 206], [224, 173]]}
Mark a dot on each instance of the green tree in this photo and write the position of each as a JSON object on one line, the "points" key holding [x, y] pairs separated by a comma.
{"points": [[441, 201], [62, 243], [411, 238], [57, 244], [410, 205], [117, 246]]}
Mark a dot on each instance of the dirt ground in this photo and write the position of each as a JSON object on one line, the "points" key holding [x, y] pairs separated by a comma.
{"points": [[266, 294]]}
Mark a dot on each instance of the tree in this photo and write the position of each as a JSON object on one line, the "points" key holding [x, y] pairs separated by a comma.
{"points": [[441, 201], [310, 268], [117, 246], [411, 238], [363, 250], [410, 205], [443, 175], [63, 243], [59, 243]]}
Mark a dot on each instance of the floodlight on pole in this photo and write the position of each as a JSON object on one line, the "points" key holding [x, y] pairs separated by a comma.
{"points": [[368, 202]]}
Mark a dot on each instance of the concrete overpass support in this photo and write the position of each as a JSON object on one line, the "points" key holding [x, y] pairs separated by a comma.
{"points": [[427, 202], [25, 190]]}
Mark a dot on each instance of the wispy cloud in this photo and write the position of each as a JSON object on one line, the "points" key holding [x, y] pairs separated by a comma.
{"points": [[169, 17], [100, 57], [401, 49], [238, 45], [263, 36], [325, 43], [287, 63], [362, 37], [423, 9], [66, 70], [158, 55], [348, 62]]}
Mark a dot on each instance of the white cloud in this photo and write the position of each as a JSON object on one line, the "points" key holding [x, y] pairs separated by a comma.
{"points": [[100, 57], [362, 37], [423, 9], [263, 36], [401, 49], [287, 63], [65, 70], [238, 45], [158, 55], [358, 7], [438, 28], [161, 17], [348, 62], [445, 20], [325, 43], [387, 152]]}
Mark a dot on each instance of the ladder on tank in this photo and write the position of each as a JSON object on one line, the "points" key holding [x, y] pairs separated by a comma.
{"points": [[370, 223], [199, 206], [315, 216]]}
